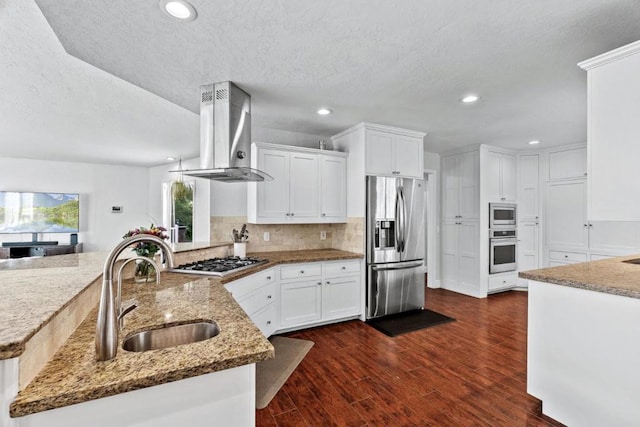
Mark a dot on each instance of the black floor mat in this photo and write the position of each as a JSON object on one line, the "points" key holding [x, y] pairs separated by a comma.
{"points": [[401, 323]]}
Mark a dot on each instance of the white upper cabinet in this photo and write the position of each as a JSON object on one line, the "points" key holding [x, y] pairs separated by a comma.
{"points": [[567, 163], [528, 187], [304, 180], [309, 186], [613, 134], [460, 176], [390, 152], [501, 176], [333, 193]]}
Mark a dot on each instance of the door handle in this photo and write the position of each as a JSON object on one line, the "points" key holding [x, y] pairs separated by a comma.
{"points": [[399, 266], [404, 218], [396, 231]]}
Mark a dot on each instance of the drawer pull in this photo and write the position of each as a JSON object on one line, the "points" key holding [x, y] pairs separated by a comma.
{"points": [[344, 268], [319, 283], [566, 256], [268, 322], [328, 282], [268, 296], [268, 277], [301, 271]]}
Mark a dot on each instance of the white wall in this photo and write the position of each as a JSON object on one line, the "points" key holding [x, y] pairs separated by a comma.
{"points": [[100, 187]]}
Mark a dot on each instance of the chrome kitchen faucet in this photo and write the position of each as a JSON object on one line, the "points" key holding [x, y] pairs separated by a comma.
{"points": [[107, 326]]}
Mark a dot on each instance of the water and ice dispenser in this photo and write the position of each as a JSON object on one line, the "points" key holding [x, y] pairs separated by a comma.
{"points": [[385, 236]]}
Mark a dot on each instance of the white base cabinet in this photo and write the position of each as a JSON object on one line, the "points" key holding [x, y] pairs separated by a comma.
{"points": [[292, 296], [314, 293]]}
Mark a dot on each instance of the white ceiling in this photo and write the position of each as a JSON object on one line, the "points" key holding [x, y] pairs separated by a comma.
{"points": [[403, 63], [56, 107]]}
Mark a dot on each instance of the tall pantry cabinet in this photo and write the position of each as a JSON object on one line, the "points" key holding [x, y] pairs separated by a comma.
{"points": [[460, 229]]}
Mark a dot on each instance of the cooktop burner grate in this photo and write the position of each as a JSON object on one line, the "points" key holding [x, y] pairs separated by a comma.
{"points": [[218, 266]]}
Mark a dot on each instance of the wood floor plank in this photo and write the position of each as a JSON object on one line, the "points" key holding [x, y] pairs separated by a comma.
{"points": [[471, 372]]}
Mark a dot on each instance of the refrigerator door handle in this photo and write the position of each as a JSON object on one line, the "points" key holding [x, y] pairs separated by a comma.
{"points": [[397, 231], [397, 266], [403, 218]]}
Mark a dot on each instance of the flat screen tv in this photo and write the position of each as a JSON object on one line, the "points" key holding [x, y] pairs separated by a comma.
{"points": [[22, 212]]}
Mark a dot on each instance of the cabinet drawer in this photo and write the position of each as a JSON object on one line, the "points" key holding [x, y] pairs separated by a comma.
{"points": [[241, 287], [266, 319], [567, 257], [340, 268], [299, 271], [502, 281], [259, 299]]}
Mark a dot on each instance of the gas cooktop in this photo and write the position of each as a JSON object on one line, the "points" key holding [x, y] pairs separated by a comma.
{"points": [[218, 266]]}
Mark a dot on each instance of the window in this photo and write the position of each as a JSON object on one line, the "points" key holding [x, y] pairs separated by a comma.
{"points": [[178, 209]]}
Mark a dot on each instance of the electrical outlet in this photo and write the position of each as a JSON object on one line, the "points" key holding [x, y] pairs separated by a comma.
{"points": [[266, 236], [323, 235]]}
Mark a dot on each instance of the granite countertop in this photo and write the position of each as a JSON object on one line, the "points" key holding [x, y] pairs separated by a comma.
{"points": [[43, 286], [74, 376], [611, 276]]}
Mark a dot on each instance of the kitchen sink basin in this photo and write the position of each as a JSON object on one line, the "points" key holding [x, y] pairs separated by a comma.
{"points": [[633, 261], [171, 336]]}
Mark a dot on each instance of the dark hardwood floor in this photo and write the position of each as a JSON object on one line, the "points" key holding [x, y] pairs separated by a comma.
{"points": [[471, 372]]}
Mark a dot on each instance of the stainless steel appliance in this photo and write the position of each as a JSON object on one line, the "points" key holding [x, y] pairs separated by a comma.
{"points": [[225, 135], [503, 250], [395, 245], [502, 215], [218, 266]]}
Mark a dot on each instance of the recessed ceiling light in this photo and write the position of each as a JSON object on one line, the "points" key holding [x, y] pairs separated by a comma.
{"points": [[468, 99], [534, 142], [171, 159], [179, 9], [324, 111]]}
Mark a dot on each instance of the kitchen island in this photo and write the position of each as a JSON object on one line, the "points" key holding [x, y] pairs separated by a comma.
{"points": [[183, 381], [583, 358]]}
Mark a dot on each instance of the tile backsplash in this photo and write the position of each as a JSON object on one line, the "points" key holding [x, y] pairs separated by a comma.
{"points": [[284, 237]]}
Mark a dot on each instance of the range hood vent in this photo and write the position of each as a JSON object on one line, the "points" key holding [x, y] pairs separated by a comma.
{"points": [[225, 135]]}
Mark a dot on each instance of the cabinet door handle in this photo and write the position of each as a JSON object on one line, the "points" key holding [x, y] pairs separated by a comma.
{"points": [[268, 296], [566, 256], [268, 277], [585, 225], [344, 268], [287, 214], [268, 322], [324, 214], [319, 283], [301, 271], [328, 282], [291, 213]]}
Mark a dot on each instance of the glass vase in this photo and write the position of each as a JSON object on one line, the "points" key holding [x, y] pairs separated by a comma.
{"points": [[144, 272]]}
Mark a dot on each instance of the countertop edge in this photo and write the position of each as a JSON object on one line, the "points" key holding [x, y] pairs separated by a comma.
{"points": [[17, 410]]}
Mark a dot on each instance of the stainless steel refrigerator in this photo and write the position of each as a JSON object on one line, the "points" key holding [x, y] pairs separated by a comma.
{"points": [[395, 245]]}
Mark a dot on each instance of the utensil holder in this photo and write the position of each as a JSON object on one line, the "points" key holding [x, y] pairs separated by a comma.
{"points": [[240, 249]]}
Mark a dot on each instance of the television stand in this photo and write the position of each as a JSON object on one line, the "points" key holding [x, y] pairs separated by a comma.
{"points": [[30, 249], [33, 243]]}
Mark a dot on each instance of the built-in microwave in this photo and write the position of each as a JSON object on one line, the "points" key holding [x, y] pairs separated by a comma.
{"points": [[502, 215]]}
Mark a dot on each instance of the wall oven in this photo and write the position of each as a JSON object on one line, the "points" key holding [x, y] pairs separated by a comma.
{"points": [[502, 250], [502, 215]]}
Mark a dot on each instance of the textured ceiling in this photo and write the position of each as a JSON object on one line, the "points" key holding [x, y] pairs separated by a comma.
{"points": [[55, 107], [402, 63]]}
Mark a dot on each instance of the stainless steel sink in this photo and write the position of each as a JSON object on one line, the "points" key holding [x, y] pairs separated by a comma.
{"points": [[171, 336]]}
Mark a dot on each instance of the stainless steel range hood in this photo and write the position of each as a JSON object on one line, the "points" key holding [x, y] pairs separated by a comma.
{"points": [[225, 135]]}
